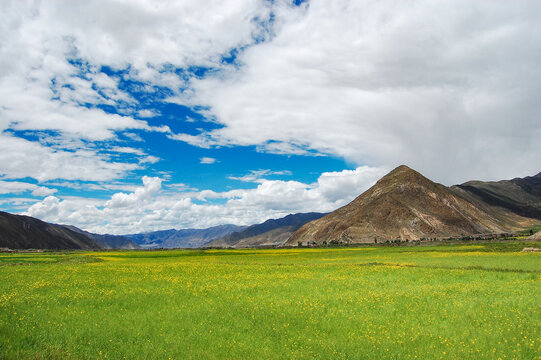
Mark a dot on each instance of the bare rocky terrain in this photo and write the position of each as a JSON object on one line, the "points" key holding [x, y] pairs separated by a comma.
{"points": [[404, 205]]}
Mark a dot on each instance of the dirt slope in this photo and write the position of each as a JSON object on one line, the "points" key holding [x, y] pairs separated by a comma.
{"points": [[402, 205]]}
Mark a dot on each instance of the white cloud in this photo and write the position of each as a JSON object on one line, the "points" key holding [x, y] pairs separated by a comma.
{"points": [[195, 140], [18, 187], [49, 208], [150, 159], [127, 150], [150, 208], [152, 185], [43, 191], [339, 186], [143, 157], [21, 158], [257, 175], [207, 160], [14, 187], [145, 113], [448, 87], [52, 55]]}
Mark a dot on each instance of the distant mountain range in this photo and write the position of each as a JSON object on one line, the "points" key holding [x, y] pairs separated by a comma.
{"points": [[107, 241], [184, 238], [272, 232], [402, 206]]}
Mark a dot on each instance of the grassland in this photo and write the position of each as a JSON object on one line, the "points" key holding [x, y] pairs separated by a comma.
{"points": [[427, 302]]}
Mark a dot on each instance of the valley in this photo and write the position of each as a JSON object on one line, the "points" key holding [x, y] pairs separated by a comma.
{"points": [[403, 206]]}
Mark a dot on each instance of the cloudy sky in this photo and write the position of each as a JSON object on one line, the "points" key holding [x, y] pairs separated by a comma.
{"points": [[127, 116]]}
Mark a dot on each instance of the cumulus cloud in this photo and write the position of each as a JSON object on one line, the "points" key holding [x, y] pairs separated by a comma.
{"points": [[338, 187], [427, 84], [47, 209], [150, 208], [151, 186]]}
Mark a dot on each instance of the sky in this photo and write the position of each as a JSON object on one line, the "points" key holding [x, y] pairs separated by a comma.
{"points": [[130, 116]]}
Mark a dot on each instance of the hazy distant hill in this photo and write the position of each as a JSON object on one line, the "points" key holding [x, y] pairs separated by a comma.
{"points": [[402, 205], [270, 232], [521, 196], [25, 232], [184, 238], [107, 241]]}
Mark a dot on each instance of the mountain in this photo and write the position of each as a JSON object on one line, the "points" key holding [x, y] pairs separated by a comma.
{"points": [[535, 237], [185, 238], [25, 232], [106, 241], [521, 196], [269, 233], [403, 205]]}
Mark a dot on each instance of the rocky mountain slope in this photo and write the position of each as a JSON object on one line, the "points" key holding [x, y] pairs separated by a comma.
{"points": [[521, 196], [184, 238], [269, 233], [25, 232], [407, 206]]}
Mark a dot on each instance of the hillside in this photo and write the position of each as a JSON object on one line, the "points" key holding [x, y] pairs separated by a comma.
{"points": [[184, 238], [25, 232], [521, 196], [402, 205], [106, 241], [269, 233]]}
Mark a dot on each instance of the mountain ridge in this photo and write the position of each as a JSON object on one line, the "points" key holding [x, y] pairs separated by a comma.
{"points": [[271, 232], [25, 232], [107, 241], [402, 205], [182, 238], [521, 196]]}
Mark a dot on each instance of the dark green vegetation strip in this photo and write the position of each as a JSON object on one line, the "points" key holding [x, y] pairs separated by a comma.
{"points": [[478, 301], [59, 258], [453, 268]]}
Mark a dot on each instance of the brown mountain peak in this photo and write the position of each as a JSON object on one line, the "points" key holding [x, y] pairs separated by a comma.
{"points": [[399, 180], [402, 169], [402, 205], [403, 173]]}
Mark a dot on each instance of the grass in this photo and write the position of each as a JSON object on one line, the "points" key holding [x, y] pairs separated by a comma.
{"points": [[530, 230], [478, 301]]}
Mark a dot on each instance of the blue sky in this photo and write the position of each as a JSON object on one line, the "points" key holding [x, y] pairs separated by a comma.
{"points": [[124, 117]]}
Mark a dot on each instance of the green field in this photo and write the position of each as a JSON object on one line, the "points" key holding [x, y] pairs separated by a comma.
{"points": [[427, 302]]}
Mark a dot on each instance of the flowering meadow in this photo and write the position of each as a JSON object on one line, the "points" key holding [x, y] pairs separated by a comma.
{"points": [[479, 301]]}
